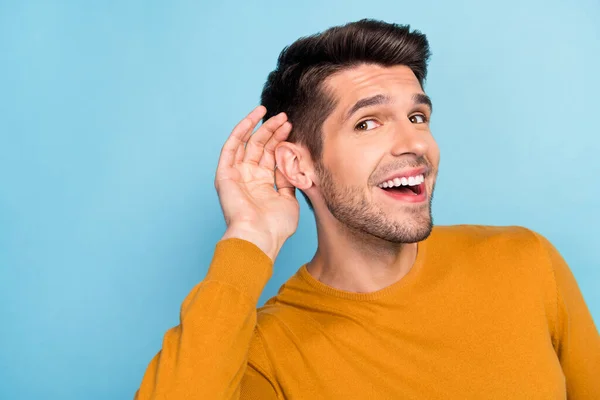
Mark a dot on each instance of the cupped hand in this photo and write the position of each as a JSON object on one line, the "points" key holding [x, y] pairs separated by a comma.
{"points": [[259, 204]]}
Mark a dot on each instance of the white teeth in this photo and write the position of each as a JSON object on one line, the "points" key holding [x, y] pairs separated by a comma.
{"points": [[410, 181]]}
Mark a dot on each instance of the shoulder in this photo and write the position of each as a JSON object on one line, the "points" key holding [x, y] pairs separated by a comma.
{"points": [[512, 260], [489, 239], [483, 233], [509, 250]]}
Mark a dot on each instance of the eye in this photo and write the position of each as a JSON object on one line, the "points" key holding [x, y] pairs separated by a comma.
{"points": [[418, 119], [366, 125]]}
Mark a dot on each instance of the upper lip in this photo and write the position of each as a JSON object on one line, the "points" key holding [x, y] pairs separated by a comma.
{"points": [[407, 173]]}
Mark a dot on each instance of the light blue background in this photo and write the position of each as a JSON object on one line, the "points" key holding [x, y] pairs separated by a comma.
{"points": [[112, 117]]}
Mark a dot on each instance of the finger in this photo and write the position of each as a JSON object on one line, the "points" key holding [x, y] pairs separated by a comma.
{"points": [[238, 133], [241, 151], [284, 187], [281, 134], [256, 144], [239, 154]]}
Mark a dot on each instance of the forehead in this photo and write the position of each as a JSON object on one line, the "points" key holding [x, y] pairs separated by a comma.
{"points": [[350, 85]]}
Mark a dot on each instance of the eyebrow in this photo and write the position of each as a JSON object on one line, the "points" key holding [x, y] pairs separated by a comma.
{"points": [[367, 102], [420, 98], [379, 99]]}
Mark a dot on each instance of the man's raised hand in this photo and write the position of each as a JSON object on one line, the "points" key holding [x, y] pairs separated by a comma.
{"points": [[246, 177]]}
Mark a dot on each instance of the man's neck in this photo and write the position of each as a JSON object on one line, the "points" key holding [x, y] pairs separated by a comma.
{"points": [[354, 261]]}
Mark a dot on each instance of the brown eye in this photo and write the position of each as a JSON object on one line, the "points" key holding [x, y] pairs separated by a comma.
{"points": [[365, 125], [418, 119]]}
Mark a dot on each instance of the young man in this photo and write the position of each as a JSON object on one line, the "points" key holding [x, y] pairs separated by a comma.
{"points": [[389, 307]]}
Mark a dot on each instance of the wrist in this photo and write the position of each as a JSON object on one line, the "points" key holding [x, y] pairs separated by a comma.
{"points": [[262, 240]]}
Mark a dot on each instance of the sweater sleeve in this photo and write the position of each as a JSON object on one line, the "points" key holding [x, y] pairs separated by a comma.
{"points": [[206, 355], [578, 339]]}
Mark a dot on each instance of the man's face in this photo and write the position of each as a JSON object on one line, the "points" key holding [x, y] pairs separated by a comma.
{"points": [[368, 148]]}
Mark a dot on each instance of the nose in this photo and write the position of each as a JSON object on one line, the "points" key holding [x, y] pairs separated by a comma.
{"points": [[409, 139]]}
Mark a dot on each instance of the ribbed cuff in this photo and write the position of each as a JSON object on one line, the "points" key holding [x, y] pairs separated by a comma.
{"points": [[241, 264]]}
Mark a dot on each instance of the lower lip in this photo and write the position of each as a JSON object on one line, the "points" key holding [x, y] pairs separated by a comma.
{"points": [[409, 198]]}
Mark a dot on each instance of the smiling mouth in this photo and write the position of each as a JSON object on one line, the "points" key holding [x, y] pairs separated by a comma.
{"points": [[414, 185], [406, 190], [411, 191]]}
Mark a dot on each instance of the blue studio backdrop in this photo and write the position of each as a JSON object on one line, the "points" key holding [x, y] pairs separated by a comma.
{"points": [[112, 116]]}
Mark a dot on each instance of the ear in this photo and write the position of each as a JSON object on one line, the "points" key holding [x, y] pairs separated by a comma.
{"points": [[294, 162]]}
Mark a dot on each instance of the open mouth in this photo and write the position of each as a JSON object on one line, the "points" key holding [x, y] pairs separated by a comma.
{"points": [[411, 189], [406, 190]]}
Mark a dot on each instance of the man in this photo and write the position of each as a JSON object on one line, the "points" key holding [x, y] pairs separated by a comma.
{"points": [[389, 307]]}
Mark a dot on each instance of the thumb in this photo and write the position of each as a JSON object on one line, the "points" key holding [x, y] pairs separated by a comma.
{"points": [[284, 187]]}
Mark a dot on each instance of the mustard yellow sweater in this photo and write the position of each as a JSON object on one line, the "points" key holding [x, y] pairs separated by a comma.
{"points": [[484, 313]]}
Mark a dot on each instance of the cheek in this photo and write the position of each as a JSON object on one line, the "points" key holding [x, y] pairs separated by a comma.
{"points": [[434, 154], [352, 163]]}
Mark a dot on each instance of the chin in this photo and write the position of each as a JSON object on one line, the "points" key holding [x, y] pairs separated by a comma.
{"points": [[404, 230], [421, 233]]}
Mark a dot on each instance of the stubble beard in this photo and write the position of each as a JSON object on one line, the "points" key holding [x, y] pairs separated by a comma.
{"points": [[350, 206]]}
